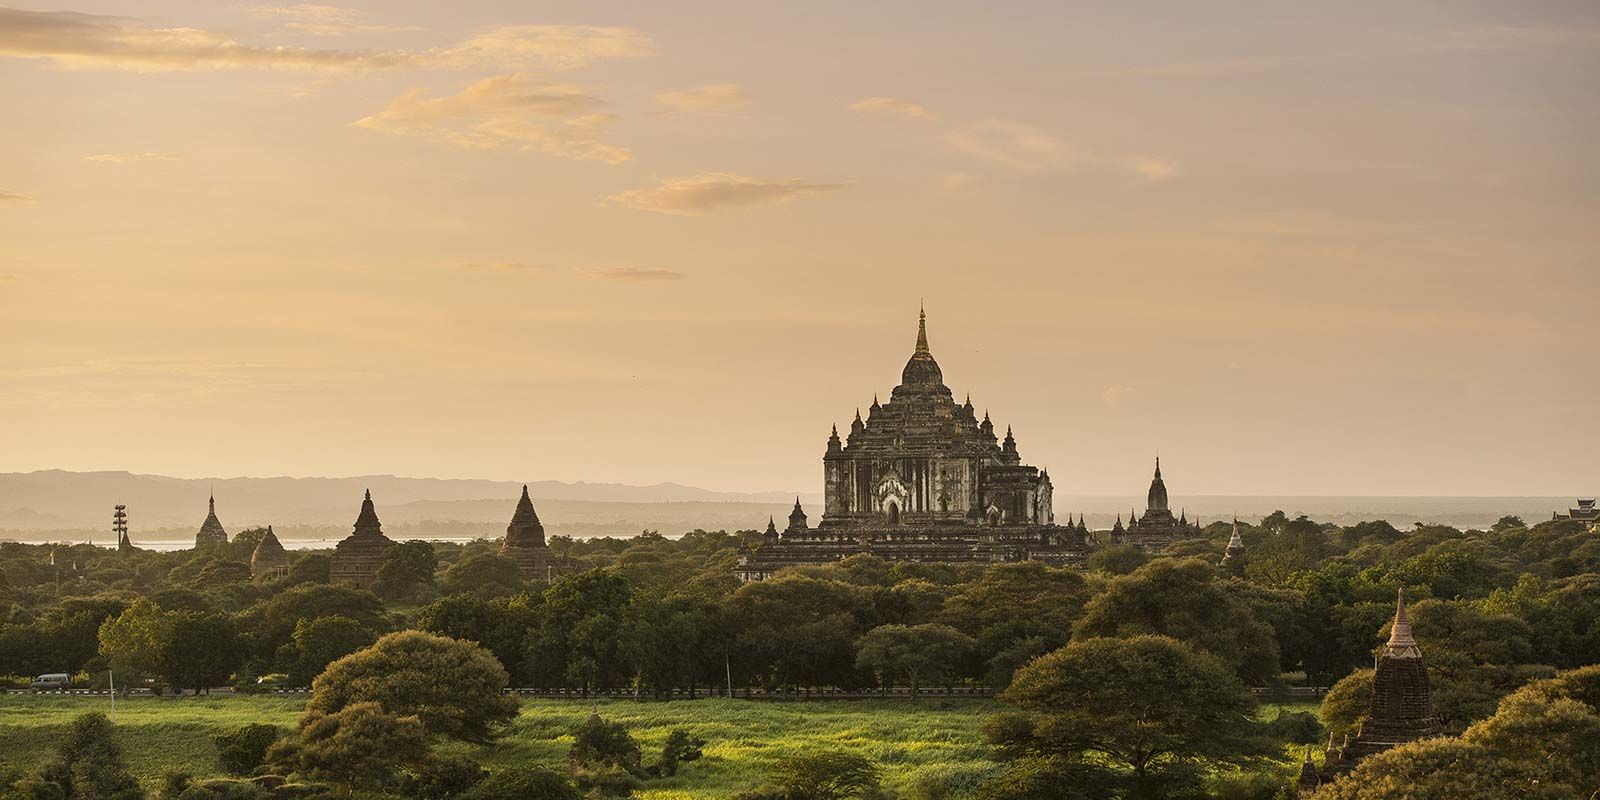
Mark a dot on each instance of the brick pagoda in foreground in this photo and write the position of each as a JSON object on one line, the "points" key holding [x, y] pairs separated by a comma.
{"points": [[1402, 707], [922, 478]]}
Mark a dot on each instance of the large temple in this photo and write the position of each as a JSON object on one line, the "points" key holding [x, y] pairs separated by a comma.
{"points": [[922, 478], [1158, 528], [1401, 710], [356, 558], [211, 531], [525, 544]]}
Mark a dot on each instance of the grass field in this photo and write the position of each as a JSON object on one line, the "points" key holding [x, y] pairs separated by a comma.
{"points": [[926, 740]]}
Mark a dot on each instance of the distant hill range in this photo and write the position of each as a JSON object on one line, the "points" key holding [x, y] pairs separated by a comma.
{"points": [[60, 505]]}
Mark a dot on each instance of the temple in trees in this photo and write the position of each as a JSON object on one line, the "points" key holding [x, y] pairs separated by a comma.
{"points": [[922, 478], [525, 544], [211, 531], [356, 558], [1158, 528], [1401, 711], [269, 561]]}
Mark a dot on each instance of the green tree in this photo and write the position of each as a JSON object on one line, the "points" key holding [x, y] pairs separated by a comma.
{"points": [[1442, 769], [1149, 704], [199, 650], [132, 643], [1185, 600], [407, 571], [917, 653], [318, 643], [359, 745], [88, 766], [279, 616], [452, 687], [485, 575]]}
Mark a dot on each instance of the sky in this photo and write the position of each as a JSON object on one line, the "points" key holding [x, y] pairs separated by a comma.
{"points": [[1339, 248]]}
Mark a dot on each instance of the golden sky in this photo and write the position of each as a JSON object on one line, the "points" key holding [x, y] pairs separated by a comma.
{"points": [[1347, 250]]}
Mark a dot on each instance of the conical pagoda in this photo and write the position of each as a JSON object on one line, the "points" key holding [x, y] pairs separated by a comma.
{"points": [[356, 559], [269, 560], [211, 531], [525, 544], [1402, 705], [1233, 556]]}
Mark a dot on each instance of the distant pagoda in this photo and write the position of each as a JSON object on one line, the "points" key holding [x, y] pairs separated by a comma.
{"points": [[1233, 557], [211, 531], [269, 561], [1402, 706], [1158, 528], [357, 557], [525, 544]]}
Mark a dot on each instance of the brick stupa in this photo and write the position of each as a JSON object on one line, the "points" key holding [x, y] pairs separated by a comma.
{"points": [[356, 559]]}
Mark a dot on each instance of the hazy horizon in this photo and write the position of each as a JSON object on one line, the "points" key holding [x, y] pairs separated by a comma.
{"points": [[1341, 251]]}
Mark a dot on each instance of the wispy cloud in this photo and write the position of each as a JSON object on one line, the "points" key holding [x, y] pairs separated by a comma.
{"points": [[893, 105], [129, 158], [1026, 148], [13, 197], [634, 274], [697, 194], [504, 266], [505, 112], [89, 41], [705, 99], [322, 20], [549, 46]]}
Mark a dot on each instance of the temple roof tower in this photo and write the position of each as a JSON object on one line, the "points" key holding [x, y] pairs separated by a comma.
{"points": [[921, 369], [525, 543], [1156, 500], [211, 531], [269, 560], [1402, 705], [525, 529], [1233, 556], [357, 557]]}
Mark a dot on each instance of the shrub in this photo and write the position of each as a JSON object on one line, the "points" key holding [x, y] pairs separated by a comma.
{"points": [[523, 783], [242, 751]]}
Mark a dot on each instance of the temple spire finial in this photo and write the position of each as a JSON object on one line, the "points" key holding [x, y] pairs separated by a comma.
{"points": [[1158, 466], [922, 330], [1401, 643]]}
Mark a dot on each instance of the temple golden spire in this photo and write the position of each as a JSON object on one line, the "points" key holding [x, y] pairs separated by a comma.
{"points": [[1401, 644], [922, 329]]}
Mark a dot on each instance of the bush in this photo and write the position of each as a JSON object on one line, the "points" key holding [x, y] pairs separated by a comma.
{"points": [[523, 783], [597, 744], [442, 778], [679, 747], [242, 751]]}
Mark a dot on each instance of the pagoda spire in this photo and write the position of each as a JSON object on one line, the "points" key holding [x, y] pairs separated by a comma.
{"points": [[1401, 643], [922, 329]]}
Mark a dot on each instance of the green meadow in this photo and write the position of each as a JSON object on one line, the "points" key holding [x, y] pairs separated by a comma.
{"points": [[929, 740]]}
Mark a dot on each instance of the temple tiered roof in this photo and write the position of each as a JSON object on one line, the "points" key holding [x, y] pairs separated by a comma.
{"points": [[211, 531]]}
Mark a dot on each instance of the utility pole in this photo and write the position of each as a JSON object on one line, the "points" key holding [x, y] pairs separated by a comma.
{"points": [[111, 677], [119, 523]]}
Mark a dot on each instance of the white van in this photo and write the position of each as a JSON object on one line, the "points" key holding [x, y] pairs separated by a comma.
{"points": [[55, 680]]}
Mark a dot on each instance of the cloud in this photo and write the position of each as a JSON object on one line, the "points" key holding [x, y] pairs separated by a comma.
{"points": [[504, 266], [129, 158], [697, 194], [1151, 169], [710, 98], [550, 46], [88, 41], [320, 20], [893, 105], [635, 274], [1114, 395], [13, 197], [1025, 148], [1017, 146], [506, 112]]}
